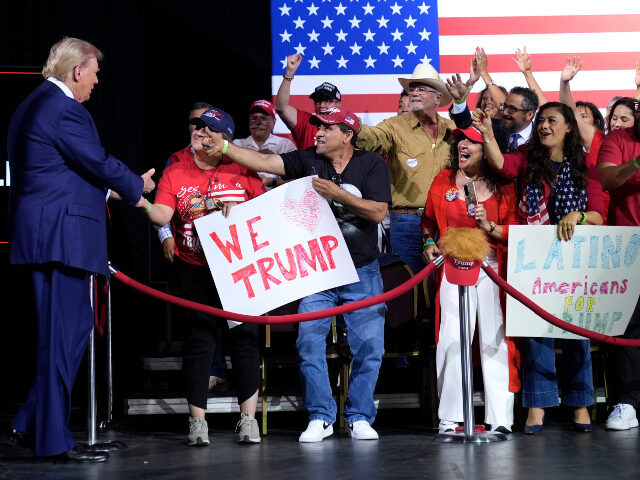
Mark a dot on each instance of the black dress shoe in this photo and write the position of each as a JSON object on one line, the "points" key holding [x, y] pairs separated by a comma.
{"points": [[79, 454], [19, 439]]}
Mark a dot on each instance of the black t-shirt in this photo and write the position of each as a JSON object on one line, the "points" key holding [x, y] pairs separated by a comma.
{"points": [[365, 176]]}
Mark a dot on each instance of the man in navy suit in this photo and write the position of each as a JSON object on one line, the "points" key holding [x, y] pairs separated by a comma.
{"points": [[60, 176]]}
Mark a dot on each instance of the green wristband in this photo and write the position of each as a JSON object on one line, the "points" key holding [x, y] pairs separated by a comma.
{"points": [[226, 146], [584, 218], [635, 162], [148, 209], [428, 242]]}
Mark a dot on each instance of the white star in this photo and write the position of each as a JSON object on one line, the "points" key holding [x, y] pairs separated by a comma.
{"points": [[341, 36], [383, 49], [411, 22], [424, 8], [326, 22], [355, 23], [313, 10], [328, 49], [300, 49], [424, 35], [284, 62], [313, 36], [382, 22], [397, 62], [396, 9], [299, 23], [370, 62], [284, 10], [314, 62], [355, 48], [411, 48], [340, 11], [368, 35], [285, 36], [342, 62], [368, 10], [397, 35], [426, 60]]}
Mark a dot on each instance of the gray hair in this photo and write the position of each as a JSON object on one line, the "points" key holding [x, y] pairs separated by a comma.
{"points": [[66, 55]]}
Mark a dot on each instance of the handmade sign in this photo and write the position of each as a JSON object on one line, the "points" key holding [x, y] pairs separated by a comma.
{"points": [[592, 280], [278, 247]]}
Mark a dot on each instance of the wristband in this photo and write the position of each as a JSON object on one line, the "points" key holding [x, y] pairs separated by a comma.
{"points": [[460, 102], [286, 77], [635, 163], [428, 242], [226, 146], [583, 219], [489, 141], [489, 84], [148, 208]]}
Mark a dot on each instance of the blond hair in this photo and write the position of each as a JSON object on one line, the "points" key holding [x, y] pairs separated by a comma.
{"points": [[66, 55]]}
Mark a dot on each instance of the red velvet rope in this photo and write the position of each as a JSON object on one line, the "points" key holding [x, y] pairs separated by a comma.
{"points": [[266, 319], [498, 280]]}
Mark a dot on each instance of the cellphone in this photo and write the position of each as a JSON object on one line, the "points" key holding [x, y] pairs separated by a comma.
{"points": [[471, 198]]}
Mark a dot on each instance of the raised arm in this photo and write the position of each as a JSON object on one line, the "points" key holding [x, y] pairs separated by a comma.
{"points": [[637, 95], [571, 69], [482, 122], [523, 62], [482, 63], [288, 114], [215, 144]]}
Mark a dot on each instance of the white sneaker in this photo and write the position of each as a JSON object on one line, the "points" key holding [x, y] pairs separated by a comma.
{"points": [[361, 430], [447, 426], [623, 417], [198, 435], [215, 381], [316, 431]]}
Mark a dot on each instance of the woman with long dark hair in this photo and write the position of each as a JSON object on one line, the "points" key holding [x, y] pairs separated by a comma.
{"points": [[557, 188]]}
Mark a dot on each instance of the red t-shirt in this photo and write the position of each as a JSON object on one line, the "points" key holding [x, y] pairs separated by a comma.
{"points": [[618, 147], [184, 154], [304, 134], [592, 160], [184, 187]]}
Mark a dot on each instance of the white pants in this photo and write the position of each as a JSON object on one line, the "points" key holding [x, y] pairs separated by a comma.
{"points": [[484, 300]]}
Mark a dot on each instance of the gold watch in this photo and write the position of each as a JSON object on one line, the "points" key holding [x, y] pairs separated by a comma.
{"points": [[492, 226]]}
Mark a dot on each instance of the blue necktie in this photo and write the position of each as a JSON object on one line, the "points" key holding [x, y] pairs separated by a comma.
{"points": [[513, 142]]}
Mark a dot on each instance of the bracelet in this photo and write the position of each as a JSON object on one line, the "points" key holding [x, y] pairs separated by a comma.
{"points": [[286, 77], [460, 102], [428, 242], [492, 137], [489, 84], [635, 162], [148, 209], [493, 226], [226, 146], [583, 219]]}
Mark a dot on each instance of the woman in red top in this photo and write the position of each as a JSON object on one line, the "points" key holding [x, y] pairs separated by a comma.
{"points": [[446, 207], [189, 190], [557, 188]]}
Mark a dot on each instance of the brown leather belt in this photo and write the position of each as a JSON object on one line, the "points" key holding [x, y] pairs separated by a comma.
{"points": [[411, 211]]}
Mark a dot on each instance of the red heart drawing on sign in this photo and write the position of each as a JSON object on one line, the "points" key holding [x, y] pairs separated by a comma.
{"points": [[305, 213]]}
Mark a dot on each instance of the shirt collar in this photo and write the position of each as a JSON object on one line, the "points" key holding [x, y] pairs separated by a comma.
{"points": [[526, 132], [66, 90]]}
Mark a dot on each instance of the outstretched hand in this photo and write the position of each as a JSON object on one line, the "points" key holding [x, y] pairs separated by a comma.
{"points": [[638, 75], [482, 62], [571, 69], [457, 88], [213, 143], [522, 60], [149, 184], [482, 122]]}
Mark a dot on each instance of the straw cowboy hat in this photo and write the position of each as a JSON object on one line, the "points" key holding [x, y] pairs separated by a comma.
{"points": [[425, 73]]}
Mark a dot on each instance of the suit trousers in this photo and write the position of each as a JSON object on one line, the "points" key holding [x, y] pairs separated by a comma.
{"points": [[65, 320]]}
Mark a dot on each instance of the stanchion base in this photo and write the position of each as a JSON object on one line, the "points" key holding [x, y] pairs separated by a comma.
{"points": [[478, 437], [108, 446]]}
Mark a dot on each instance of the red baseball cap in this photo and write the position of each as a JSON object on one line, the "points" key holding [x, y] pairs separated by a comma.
{"points": [[264, 105], [461, 272], [336, 115], [471, 133]]}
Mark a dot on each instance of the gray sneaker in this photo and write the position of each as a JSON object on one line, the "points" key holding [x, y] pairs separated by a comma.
{"points": [[247, 429], [198, 432]]}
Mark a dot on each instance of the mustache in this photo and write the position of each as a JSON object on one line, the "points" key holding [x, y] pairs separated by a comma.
{"points": [[257, 127]]}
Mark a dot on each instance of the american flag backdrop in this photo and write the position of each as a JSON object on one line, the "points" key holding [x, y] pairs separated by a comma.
{"points": [[363, 46]]}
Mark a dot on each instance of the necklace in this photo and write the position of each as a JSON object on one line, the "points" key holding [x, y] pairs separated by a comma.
{"points": [[209, 203], [465, 175]]}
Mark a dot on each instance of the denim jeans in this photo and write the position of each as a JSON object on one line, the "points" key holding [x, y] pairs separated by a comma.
{"points": [[366, 340], [540, 381], [406, 239]]}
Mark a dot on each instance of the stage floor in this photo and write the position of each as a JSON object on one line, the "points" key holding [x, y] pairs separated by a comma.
{"points": [[401, 453]]}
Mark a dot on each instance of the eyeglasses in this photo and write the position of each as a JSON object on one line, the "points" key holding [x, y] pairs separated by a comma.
{"points": [[337, 179], [422, 90], [258, 118], [511, 109]]}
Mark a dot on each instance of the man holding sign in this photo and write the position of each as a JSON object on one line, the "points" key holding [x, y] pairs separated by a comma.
{"points": [[356, 184]]}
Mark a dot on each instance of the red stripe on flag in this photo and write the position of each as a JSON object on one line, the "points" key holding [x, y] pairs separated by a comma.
{"points": [[540, 24], [544, 62]]}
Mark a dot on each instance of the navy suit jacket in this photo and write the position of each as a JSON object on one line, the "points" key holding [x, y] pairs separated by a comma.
{"points": [[59, 177]]}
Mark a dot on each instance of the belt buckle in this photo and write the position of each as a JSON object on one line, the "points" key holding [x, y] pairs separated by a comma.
{"points": [[420, 211]]}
